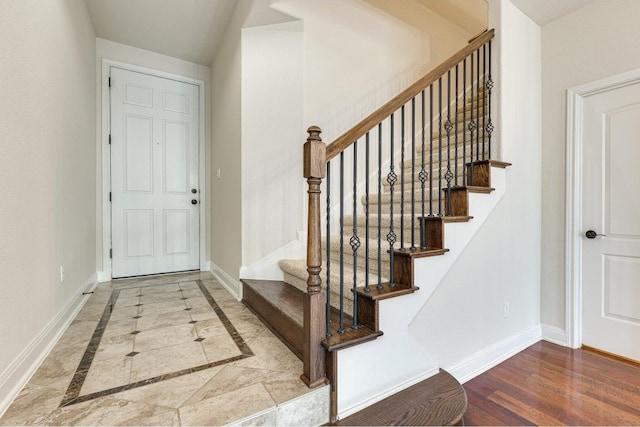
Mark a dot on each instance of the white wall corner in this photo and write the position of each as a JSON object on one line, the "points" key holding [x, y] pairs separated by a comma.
{"points": [[494, 354], [231, 284], [554, 335], [22, 368]]}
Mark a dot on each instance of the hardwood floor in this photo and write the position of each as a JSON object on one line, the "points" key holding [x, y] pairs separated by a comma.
{"points": [[551, 385]]}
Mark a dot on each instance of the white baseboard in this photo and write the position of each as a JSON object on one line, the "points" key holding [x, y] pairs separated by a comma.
{"points": [[103, 276], [389, 392], [554, 335], [489, 357], [267, 268], [22, 368], [231, 284]]}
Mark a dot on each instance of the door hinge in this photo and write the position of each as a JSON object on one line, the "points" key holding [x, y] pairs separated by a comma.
{"points": [[110, 253], [109, 139], [109, 195], [109, 81]]}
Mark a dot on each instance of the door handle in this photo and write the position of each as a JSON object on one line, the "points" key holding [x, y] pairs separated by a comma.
{"points": [[194, 202], [592, 234], [194, 191]]}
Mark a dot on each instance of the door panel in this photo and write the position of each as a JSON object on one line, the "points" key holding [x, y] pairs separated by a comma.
{"points": [[611, 206], [154, 166]]}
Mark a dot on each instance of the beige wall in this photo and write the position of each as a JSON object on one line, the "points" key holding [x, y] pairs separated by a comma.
{"points": [[595, 42], [226, 232], [47, 170]]}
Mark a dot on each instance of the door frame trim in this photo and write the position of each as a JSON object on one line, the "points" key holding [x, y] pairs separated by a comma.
{"points": [[105, 129], [573, 214]]}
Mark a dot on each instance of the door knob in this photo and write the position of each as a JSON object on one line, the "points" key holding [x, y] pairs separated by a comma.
{"points": [[592, 234], [194, 202], [194, 191]]}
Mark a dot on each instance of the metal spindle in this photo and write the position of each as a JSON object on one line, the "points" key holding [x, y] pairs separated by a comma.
{"points": [[431, 150], [489, 88], [464, 121], [402, 141], [456, 129], [379, 285], [366, 215], [448, 127], [355, 240], [440, 147], [392, 178], [423, 178], [341, 326], [478, 104], [413, 174], [472, 124], [328, 249], [484, 98]]}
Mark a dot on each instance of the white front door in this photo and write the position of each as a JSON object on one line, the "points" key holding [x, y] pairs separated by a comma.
{"points": [[154, 174], [611, 207]]}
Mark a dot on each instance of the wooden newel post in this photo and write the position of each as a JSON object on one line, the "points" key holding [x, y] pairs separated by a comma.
{"points": [[315, 163]]}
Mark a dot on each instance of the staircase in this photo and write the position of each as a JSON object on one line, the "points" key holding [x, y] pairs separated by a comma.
{"points": [[434, 141]]}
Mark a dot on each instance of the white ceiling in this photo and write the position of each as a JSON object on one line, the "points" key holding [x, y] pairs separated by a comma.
{"points": [[544, 11], [192, 29], [187, 29]]}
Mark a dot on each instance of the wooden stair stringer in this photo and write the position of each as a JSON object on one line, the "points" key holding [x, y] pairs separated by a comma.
{"points": [[396, 316]]}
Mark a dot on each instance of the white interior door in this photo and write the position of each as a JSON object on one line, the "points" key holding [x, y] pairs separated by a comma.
{"points": [[154, 174], [611, 206]]}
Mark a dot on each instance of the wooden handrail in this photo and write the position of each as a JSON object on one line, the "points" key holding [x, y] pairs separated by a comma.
{"points": [[359, 130]]}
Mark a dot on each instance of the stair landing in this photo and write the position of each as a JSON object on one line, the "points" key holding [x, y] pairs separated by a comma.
{"points": [[437, 401]]}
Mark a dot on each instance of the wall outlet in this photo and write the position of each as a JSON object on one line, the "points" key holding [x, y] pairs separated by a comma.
{"points": [[61, 273], [506, 309], [218, 174]]}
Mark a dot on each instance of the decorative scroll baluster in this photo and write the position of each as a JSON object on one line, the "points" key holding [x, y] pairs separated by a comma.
{"points": [[392, 178], [402, 140], [341, 327], [379, 285], [366, 216], [413, 174], [489, 89], [355, 240], [314, 168], [484, 99], [423, 178], [448, 127], [472, 124]]}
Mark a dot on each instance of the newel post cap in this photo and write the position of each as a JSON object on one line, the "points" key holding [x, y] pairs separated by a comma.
{"points": [[315, 154]]}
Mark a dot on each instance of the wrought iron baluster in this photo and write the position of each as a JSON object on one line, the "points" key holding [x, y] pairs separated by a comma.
{"points": [[392, 178], [354, 241], [423, 177], [366, 215], [431, 150], [448, 127], [440, 146], [328, 249], [413, 174], [457, 160], [464, 122], [402, 141], [379, 285], [341, 326], [484, 99], [489, 89], [478, 104], [472, 124]]}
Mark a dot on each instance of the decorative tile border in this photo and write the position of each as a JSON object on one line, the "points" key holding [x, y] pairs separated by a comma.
{"points": [[72, 395]]}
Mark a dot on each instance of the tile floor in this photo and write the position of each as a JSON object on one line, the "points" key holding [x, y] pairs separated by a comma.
{"points": [[167, 350]]}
